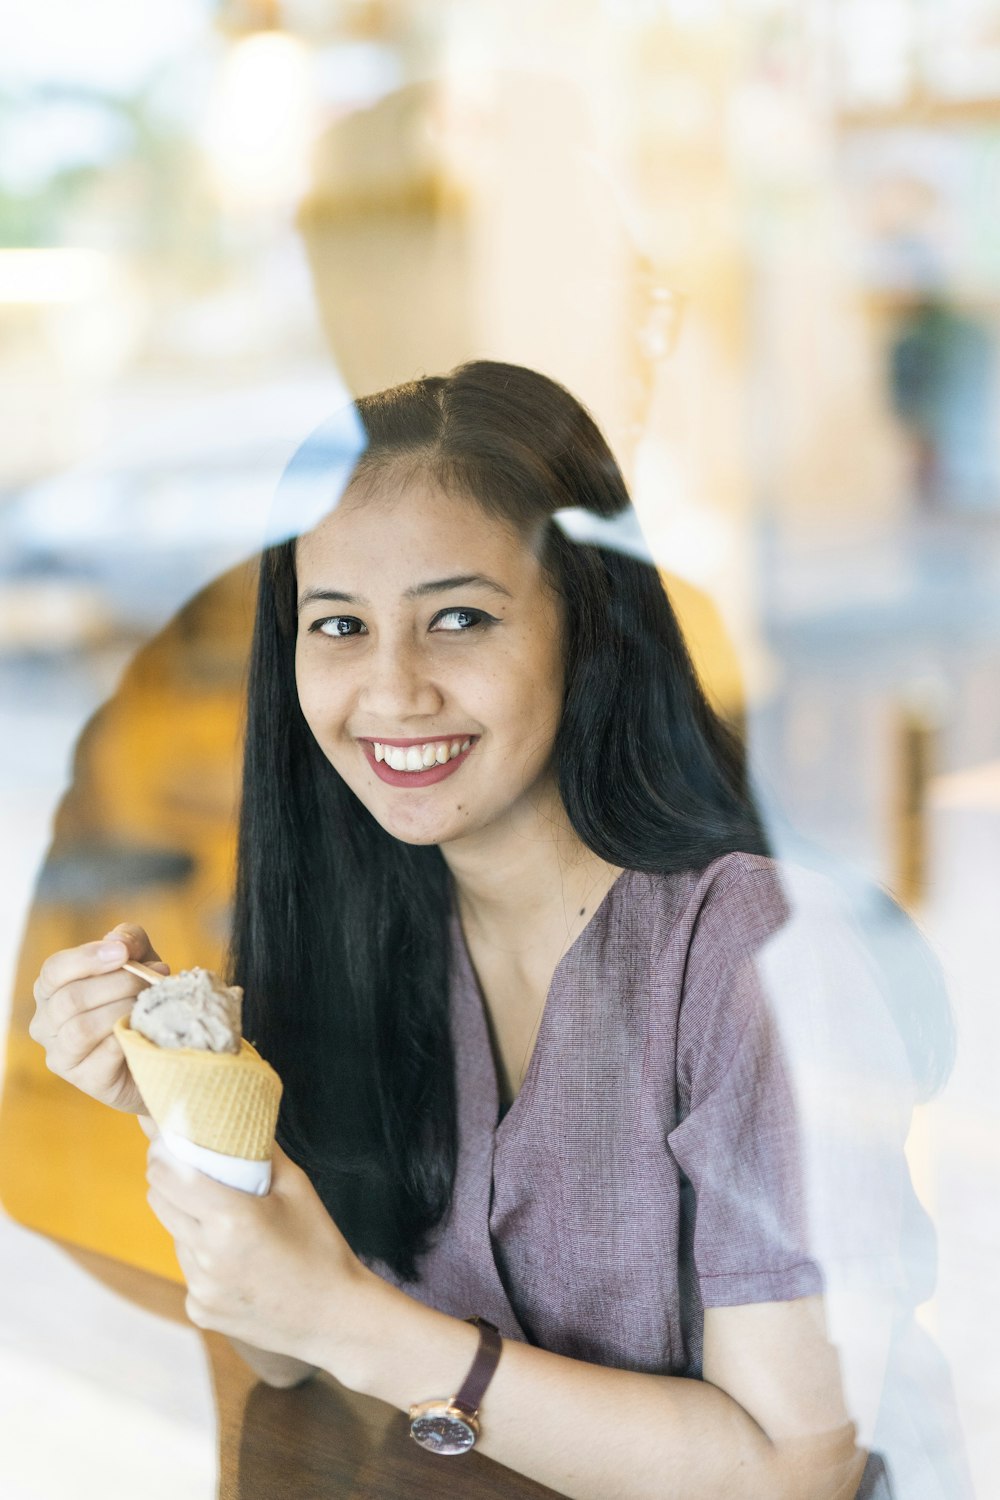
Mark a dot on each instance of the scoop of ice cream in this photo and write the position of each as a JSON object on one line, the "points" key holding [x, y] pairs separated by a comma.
{"points": [[191, 1009]]}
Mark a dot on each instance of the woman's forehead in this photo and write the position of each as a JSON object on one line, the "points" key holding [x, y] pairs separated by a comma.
{"points": [[407, 528]]}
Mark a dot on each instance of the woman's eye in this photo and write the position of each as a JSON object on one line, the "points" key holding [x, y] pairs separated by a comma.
{"points": [[461, 619], [336, 625]]}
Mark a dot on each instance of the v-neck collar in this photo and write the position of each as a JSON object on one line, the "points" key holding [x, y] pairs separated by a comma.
{"points": [[521, 1101]]}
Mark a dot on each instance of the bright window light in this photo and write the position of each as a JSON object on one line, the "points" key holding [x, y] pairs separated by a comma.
{"points": [[260, 121], [44, 276]]}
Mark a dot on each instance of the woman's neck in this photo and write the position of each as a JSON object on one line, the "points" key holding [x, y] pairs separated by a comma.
{"points": [[521, 886]]}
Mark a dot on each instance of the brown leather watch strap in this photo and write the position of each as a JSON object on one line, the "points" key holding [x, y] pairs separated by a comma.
{"points": [[483, 1366]]}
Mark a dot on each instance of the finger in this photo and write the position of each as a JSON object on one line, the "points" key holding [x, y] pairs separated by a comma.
{"points": [[191, 1190], [174, 1178], [74, 1034], [136, 939], [103, 1075], [84, 962], [184, 1228], [149, 1127], [188, 1262], [85, 995], [197, 1313], [87, 1040]]}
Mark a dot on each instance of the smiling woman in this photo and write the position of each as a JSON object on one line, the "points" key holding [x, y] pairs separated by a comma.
{"points": [[423, 668], [591, 750], [509, 931], [488, 814]]}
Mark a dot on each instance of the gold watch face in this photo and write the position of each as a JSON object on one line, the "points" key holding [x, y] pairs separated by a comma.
{"points": [[441, 1428]]}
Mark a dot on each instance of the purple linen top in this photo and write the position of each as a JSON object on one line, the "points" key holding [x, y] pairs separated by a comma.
{"points": [[699, 1126], [647, 1168]]}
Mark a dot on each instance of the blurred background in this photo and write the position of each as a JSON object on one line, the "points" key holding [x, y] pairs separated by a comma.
{"points": [[759, 238]]}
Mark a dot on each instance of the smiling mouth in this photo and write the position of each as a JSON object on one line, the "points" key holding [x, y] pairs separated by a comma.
{"points": [[414, 759]]}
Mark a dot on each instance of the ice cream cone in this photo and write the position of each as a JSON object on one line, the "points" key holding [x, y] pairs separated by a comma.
{"points": [[224, 1101]]}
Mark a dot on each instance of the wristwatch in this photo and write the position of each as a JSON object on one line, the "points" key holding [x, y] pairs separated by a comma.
{"points": [[443, 1426]]}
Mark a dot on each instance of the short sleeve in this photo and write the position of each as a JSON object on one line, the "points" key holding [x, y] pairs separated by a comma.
{"points": [[795, 1094], [737, 1141]]}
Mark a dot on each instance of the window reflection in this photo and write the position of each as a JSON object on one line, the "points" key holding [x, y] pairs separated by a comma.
{"points": [[759, 242]]}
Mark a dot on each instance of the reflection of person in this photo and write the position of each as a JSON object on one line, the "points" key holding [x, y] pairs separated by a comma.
{"points": [[417, 263], [501, 894], [942, 377]]}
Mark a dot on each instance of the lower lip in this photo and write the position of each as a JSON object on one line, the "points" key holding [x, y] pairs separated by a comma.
{"points": [[416, 778]]}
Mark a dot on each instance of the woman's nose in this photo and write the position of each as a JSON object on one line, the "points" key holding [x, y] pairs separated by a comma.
{"points": [[397, 684]]}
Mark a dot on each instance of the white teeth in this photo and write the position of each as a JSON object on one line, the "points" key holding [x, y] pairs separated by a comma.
{"points": [[419, 757]]}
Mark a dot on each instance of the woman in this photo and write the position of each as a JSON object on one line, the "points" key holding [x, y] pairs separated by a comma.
{"points": [[501, 893]]}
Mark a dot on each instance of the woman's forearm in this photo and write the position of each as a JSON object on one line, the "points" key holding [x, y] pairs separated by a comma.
{"points": [[589, 1432]]}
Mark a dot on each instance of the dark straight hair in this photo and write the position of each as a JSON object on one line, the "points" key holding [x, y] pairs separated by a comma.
{"points": [[340, 935]]}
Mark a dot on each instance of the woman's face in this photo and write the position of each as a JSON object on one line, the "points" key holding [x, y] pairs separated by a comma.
{"points": [[429, 637]]}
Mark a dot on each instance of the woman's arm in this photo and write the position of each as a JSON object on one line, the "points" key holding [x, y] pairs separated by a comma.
{"points": [[768, 1421], [275, 1273]]}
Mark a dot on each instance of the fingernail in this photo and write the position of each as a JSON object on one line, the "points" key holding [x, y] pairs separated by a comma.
{"points": [[108, 952]]}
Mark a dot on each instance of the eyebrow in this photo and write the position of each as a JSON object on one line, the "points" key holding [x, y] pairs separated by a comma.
{"points": [[418, 590]]}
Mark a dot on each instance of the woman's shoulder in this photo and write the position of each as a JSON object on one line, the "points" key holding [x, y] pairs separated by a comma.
{"points": [[735, 882], [738, 868], [732, 907]]}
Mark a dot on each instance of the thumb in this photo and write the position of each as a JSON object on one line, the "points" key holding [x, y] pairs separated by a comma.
{"points": [[137, 942]]}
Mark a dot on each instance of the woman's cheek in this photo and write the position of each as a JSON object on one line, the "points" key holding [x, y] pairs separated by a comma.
{"points": [[314, 690], [301, 680]]}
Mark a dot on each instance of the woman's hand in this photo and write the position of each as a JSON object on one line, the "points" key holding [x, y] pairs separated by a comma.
{"points": [[273, 1272], [79, 995]]}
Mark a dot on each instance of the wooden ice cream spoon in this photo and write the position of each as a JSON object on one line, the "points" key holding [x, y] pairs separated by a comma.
{"points": [[143, 971]]}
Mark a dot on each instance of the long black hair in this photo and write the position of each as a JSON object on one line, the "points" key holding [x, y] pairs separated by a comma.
{"points": [[340, 930]]}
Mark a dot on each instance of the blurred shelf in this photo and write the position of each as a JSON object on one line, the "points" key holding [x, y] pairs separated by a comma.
{"points": [[920, 112]]}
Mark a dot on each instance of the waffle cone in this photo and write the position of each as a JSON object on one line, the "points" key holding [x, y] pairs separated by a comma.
{"points": [[224, 1101]]}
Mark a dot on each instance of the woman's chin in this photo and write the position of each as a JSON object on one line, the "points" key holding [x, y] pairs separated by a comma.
{"points": [[419, 830], [414, 836]]}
